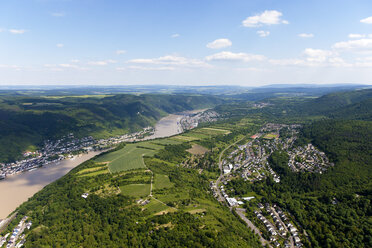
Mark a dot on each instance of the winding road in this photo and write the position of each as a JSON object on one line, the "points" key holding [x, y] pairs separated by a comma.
{"points": [[239, 211]]}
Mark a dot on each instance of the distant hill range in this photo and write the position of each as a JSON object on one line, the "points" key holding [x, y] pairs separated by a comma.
{"points": [[355, 104], [27, 121]]}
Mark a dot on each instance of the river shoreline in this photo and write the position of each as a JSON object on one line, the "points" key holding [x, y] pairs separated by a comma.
{"points": [[18, 188]]}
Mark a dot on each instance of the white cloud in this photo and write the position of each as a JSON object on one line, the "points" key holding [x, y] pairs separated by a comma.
{"points": [[171, 60], [15, 67], [314, 58], [68, 66], [356, 36], [268, 17], [305, 35], [286, 62], [364, 62], [317, 55], [60, 45], [75, 61], [229, 56], [263, 33], [58, 14], [102, 62], [361, 44], [219, 43], [118, 52], [175, 35], [17, 31], [144, 68], [367, 20], [62, 66]]}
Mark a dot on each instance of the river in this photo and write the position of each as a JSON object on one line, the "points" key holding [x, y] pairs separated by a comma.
{"points": [[16, 189], [170, 125]]}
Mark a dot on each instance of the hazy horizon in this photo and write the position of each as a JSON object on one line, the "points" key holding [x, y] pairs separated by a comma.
{"points": [[247, 43]]}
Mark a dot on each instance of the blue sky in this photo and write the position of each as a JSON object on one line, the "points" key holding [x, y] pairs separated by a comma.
{"points": [[206, 42]]}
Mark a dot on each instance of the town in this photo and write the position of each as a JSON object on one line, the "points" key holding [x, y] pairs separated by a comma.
{"points": [[11, 239], [249, 161], [69, 146]]}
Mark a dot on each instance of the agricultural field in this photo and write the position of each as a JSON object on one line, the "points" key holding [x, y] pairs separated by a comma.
{"points": [[155, 207], [162, 181], [213, 131], [167, 142], [135, 190], [89, 172], [130, 157], [197, 149], [196, 135], [184, 138]]}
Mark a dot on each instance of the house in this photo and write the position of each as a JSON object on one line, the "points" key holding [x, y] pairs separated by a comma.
{"points": [[297, 239], [293, 229], [85, 195], [248, 198]]}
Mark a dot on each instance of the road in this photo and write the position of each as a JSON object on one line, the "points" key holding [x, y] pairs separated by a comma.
{"points": [[285, 227], [241, 213], [220, 197]]}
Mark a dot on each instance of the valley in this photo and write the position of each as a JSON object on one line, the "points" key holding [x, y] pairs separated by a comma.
{"points": [[247, 179]]}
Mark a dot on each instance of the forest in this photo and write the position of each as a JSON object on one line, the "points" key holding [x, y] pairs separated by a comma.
{"points": [[27, 121]]}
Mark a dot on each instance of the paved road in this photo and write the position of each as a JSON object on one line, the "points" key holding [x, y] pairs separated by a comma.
{"points": [[240, 212], [285, 227], [220, 197]]}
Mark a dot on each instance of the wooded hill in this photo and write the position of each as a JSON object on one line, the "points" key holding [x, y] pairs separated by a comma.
{"points": [[28, 121]]}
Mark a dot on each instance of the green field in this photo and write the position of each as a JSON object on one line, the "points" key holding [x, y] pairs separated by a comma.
{"points": [[135, 190], [155, 206], [198, 135], [184, 138], [162, 181], [128, 158], [167, 142], [212, 131], [271, 136]]}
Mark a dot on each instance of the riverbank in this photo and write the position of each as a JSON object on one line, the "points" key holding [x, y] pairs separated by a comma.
{"points": [[16, 189], [171, 124]]}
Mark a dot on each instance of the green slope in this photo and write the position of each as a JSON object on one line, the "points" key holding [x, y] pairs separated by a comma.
{"points": [[26, 121]]}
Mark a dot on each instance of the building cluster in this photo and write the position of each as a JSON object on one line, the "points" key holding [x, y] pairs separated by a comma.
{"points": [[278, 225], [250, 160], [51, 152], [308, 158], [130, 137], [190, 121], [261, 105], [16, 238]]}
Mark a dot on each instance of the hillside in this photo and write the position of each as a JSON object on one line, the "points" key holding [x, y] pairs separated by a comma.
{"points": [[331, 102], [27, 121], [177, 211]]}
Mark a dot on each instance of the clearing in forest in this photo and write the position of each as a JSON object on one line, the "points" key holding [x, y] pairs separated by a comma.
{"points": [[135, 190], [162, 181], [197, 149]]}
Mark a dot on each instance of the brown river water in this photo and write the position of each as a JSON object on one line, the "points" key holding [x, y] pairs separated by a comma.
{"points": [[16, 189]]}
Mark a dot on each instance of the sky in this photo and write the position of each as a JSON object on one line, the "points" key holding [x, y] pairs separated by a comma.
{"points": [[193, 42]]}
